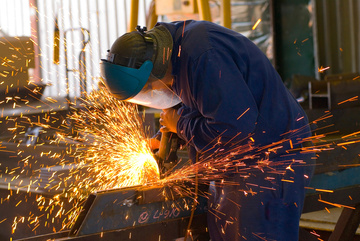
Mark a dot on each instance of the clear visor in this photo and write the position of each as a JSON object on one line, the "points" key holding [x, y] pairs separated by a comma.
{"points": [[156, 95]]}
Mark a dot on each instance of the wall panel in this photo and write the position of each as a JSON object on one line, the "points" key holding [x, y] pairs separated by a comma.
{"points": [[105, 20]]}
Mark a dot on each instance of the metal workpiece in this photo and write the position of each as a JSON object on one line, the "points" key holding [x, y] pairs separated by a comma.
{"points": [[128, 207], [137, 213]]}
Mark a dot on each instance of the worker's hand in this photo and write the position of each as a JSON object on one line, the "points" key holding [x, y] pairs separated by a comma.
{"points": [[168, 120], [154, 144]]}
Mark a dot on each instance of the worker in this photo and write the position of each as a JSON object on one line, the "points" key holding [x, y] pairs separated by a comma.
{"points": [[230, 93]]}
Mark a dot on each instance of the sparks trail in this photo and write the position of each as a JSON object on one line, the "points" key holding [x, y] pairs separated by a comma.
{"points": [[117, 145], [110, 150], [244, 159]]}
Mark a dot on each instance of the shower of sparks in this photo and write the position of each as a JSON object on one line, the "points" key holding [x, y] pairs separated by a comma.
{"points": [[239, 160], [117, 150], [110, 149], [102, 145]]}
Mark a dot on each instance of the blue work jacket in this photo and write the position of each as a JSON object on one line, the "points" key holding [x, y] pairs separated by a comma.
{"points": [[229, 88], [231, 92]]}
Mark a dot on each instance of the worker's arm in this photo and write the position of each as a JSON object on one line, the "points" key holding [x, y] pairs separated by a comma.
{"points": [[223, 105]]}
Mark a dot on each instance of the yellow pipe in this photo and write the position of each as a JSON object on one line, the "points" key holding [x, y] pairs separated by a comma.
{"points": [[134, 11], [204, 10], [226, 13], [153, 17], [56, 59]]}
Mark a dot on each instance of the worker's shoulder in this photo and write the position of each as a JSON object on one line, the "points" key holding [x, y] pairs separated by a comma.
{"points": [[196, 38], [190, 37], [189, 31]]}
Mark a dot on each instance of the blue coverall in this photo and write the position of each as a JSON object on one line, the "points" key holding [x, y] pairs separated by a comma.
{"points": [[220, 75]]}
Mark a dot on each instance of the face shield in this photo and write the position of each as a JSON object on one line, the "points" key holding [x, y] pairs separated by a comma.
{"points": [[156, 94], [135, 66], [136, 86]]}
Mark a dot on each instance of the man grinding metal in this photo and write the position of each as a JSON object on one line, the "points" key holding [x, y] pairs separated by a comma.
{"points": [[228, 89]]}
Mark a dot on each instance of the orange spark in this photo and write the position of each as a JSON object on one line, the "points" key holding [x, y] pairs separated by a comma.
{"points": [[256, 24], [322, 69], [243, 113], [355, 98], [336, 205]]}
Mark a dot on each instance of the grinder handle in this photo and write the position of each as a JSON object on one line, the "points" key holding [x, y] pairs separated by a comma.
{"points": [[165, 145]]}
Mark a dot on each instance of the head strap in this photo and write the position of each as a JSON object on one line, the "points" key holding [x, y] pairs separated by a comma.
{"points": [[149, 52]]}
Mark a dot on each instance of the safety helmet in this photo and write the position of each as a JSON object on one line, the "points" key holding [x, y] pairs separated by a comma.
{"points": [[135, 65]]}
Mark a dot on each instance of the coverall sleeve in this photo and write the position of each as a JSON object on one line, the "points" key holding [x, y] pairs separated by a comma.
{"points": [[222, 104]]}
